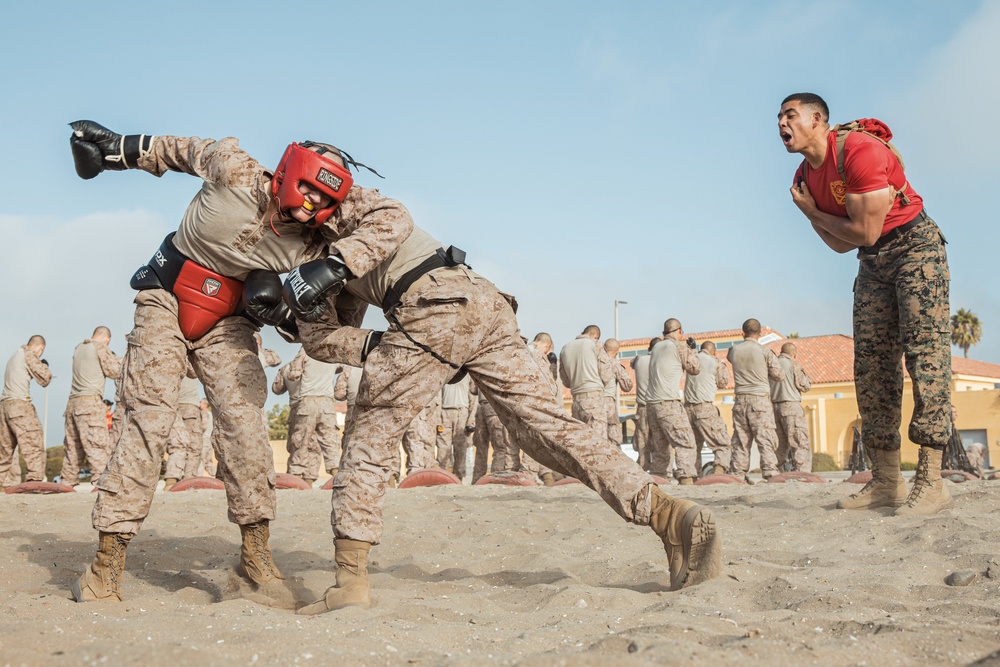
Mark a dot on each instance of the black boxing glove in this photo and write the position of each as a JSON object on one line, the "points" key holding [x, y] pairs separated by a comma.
{"points": [[262, 297], [308, 286], [692, 343], [371, 342], [551, 356], [96, 148]]}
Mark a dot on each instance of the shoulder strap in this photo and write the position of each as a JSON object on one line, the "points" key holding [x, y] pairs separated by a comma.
{"points": [[844, 129]]}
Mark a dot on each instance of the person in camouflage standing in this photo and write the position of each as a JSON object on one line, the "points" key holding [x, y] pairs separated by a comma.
{"points": [[754, 367], [445, 319], [699, 401], [640, 440], [312, 419], [184, 440], [86, 415], [457, 422], [490, 431], [669, 427], [789, 418], [19, 424], [245, 225], [621, 380], [864, 202], [586, 369]]}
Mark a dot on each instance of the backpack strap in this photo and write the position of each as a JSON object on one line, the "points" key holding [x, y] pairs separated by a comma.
{"points": [[845, 129]]}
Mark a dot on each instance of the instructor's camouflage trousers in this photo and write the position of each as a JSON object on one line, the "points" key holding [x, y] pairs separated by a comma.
{"points": [[465, 320], [225, 360], [591, 408], [901, 311]]}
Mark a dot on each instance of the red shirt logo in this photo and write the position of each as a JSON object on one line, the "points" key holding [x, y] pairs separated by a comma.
{"points": [[211, 286], [839, 191]]}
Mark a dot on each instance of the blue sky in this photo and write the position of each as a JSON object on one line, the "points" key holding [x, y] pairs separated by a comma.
{"points": [[580, 152]]}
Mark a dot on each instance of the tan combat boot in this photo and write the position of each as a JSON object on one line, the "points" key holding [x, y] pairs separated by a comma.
{"points": [[689, 538], [256, 563], [102, 580], [928, 495], [352, 589], [333, 472], [548, 479], [168, 482], [686, 481], [887, 487], [718, 470]]}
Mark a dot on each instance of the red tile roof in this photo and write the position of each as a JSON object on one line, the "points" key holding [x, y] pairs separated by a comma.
{"points": [[826, 359]]}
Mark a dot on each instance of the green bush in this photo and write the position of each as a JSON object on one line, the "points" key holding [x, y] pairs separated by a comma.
{"points": [[824, 463], [53, 462], [277, 422], [907, 465]]}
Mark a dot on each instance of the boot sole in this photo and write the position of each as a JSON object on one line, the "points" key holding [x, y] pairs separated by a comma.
{"points": [[701, 548]]}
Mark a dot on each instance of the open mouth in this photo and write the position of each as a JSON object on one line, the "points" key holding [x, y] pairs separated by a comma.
{"points": [[786, 137]]}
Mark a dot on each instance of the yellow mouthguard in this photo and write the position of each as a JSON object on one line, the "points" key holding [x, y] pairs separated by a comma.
{"points": [[308, 206]]}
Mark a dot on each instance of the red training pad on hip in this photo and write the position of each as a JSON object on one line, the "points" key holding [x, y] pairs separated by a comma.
{"points": [[204, 297]]}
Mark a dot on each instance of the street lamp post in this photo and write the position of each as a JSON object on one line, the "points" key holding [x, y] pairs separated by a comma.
{"points": [[618, 393]]}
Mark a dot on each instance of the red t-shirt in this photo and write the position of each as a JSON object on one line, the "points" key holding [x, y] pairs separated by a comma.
{"points": [[869, 165]]}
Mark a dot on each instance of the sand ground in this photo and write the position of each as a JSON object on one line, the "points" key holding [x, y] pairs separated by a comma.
{"points": [[506, 575]]}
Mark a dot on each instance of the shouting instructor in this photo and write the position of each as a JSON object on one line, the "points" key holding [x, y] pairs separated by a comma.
{"points": [[852, 187]]}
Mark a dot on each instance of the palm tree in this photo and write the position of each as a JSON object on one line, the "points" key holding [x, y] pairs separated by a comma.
{"points": [[966, 330]]}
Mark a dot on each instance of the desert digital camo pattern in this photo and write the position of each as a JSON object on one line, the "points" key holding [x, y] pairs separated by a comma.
{"points": [[467, 321], [225, 360]]}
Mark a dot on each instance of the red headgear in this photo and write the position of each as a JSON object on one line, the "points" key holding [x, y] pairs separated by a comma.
{"points": [[298, 164]]}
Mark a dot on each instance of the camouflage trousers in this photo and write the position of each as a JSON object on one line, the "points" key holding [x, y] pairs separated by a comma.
{"points": [[465, 320], [710, 428], [313, 431], [21, 429], [225, 360], [184, 443], [418, 439], [452, 440], [591, 409], [86, 422], [669, 428], [490, 431], [753, 421], [640, 438], [793, 436], [614, 423], [901, 311]]}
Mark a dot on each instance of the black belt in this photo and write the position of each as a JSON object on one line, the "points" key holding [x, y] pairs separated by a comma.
{"points": [[440, 259], [894, 234]]}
